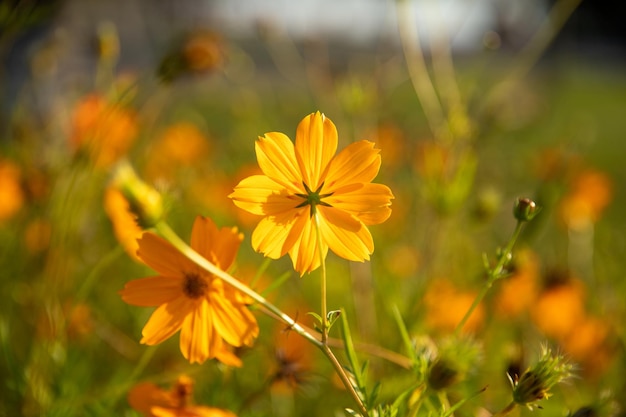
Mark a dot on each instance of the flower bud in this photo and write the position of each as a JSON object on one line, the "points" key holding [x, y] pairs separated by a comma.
{"points": [[536, 382], [525, 209], [145, 202]]}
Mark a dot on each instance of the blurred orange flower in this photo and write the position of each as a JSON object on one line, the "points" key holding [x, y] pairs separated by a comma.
{"points": [[105, 130], [446, 305], [125, 226], [306, 187], [590, 193], [153, 401], [210, 314], [11, 193], [559, 309], [182, 144]]}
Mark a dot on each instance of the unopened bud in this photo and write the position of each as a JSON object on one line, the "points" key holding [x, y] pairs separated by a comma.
{"points": [[525, 209], [145, 202], [535, 384]]}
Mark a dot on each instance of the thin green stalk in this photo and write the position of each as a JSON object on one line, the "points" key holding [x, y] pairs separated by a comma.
{"points": [[324, 346], [164, 229], [493, 275], [324, 311]]}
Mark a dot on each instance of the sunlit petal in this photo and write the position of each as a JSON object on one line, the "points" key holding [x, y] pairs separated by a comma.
{"points": [[219, 246], [263, 196], [276, 157], [152, 291], [337, 229], [166, 320], [305, 253], [369, 202], [316, 144], [270, 235], [359, 162], [234, 323], [195, 333], [161, 256]]}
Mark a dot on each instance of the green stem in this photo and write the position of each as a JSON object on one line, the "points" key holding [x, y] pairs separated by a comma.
{"points": [[324, 307], [165, 231], [493, 275], [172, 237], [324, 346]]}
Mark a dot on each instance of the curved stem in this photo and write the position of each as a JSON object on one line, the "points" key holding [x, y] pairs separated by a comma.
{"points": [[174, 239], [165, 231]]}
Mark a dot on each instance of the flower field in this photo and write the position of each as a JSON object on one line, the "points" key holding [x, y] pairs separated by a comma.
{"points": [[281, 227]]}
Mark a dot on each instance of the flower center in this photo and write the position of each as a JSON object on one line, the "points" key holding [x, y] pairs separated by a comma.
{"points": [[194, 286], [313, 198]]}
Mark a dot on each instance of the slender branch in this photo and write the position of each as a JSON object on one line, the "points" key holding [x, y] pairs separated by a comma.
{"points": [[493, 275], [174, 239]]}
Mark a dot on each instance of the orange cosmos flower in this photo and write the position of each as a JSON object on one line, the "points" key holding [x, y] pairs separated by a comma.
{"points": [[104, 129], [210, 314], [307, 185], [153, 401]]}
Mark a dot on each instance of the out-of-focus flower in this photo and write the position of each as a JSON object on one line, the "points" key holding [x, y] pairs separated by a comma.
{"points": [[125, 226], [591, 191], [307, 190], [104, 130], [211, 315], [517, 292], [589, 345], [446, 305], [200, 52], [11, 193], [181, 145], [559, 308], [153, 401], [392, 140]]}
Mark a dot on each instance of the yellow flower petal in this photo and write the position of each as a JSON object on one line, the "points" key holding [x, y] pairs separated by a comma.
{"points": [[359, 162], [345, 236], [305, 251], [235, 324], [166, 320], [369, 202], [316, 144], [270, 235], [195, 333], [277, 159], [161, 256], [152, 291], [263, 196]]}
